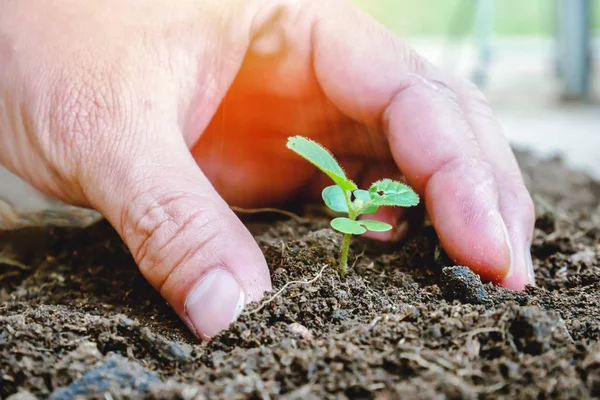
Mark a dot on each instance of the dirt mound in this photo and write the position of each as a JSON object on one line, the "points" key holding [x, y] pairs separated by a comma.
{"points": [[77, 318]]}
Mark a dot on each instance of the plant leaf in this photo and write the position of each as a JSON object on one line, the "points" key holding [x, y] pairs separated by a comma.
{"points": [[346, 225], [363, 195], [375, 226], [321, 158], [333, 196], [387, 192]]}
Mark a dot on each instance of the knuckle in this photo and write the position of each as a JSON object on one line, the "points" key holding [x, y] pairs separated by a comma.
{"points": [[165, 233], [466, 85], [463, 92], [473, 98], [438, 84], [443, 83]]}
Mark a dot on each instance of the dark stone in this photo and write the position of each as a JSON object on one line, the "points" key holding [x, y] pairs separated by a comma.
{"points": [[460, 283], [116, 374]]}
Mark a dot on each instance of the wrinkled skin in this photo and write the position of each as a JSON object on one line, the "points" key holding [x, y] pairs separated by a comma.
{"points": [[158, 114]]}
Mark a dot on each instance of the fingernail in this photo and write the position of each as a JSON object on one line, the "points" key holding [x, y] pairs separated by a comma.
{"points": [[214, 303], [529, 263], [509, 246]]}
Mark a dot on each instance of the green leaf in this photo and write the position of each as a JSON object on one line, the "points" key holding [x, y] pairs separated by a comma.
{"points": [[333, 196], [364, 197], [320, 157], [387, 192], [346, 225], [375, 226]]}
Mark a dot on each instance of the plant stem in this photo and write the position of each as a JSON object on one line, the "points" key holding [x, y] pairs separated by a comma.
{"points": [[352, 214], [364, 207], [344, 254]]}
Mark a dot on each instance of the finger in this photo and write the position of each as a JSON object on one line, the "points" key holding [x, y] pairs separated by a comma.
{"points": [[372, 77], [516, 205], [396, 217], [187, 242]]}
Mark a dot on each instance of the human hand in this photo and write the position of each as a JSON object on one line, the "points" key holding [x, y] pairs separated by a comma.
{"points": [[102, 101]]}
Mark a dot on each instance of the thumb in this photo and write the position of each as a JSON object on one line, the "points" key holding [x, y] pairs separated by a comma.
{"points": [[185, 239]]}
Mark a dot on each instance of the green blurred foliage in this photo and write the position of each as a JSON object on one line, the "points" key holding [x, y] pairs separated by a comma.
{"points": [[455, 17]]}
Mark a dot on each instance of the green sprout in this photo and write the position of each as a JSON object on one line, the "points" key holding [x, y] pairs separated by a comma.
{"points": [[346, 197]]}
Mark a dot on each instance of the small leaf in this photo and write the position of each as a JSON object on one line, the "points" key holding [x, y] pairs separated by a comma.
{"points": [[320, 157], [375, 226], [387, 192], [346, 225], [333, 196], [364, 196]]}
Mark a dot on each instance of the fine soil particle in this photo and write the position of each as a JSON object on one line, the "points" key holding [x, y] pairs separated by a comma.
{"points": [[77, 318]]}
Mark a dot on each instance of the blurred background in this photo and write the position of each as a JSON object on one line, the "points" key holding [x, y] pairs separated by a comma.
{"points": [[538, 61]]}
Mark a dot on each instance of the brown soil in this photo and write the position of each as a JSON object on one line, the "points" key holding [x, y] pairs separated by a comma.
{"points": [[76, 317]]}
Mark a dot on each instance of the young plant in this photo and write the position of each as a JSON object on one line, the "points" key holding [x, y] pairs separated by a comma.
{"points": [[346, 197]]}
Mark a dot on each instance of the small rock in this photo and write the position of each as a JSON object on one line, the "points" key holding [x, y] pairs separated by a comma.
{"points": [[460, 283], [179, 352], [24, 395], [116, 374], [167, 350], [299, 329], [126, 322]]}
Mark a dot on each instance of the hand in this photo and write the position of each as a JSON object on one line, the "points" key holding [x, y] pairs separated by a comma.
{"points": [[102, 101]]}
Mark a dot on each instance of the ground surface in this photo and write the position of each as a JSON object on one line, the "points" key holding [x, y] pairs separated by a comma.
{"points": [[76, 318]]}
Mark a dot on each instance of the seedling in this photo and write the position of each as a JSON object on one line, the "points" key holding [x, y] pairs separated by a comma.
{"points": [[345, 197]]}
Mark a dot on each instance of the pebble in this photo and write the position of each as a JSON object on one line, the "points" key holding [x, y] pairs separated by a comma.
{"points": [[176, 352], [116, 374], [24, 395], [299, 329], [460, 283]]}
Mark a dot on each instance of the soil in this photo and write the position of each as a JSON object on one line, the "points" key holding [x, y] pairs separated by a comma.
{"points": [[77, 318]]}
